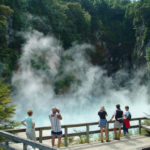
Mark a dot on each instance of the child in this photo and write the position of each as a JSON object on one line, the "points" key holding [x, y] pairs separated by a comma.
{"points": [[126, 121], [30, 126]]}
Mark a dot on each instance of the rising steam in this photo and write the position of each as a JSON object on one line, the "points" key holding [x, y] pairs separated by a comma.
{"points": [[44, 62]]}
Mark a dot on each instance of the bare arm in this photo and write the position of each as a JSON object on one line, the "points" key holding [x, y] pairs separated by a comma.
{"points": [[23, 123], [112, 117], [106, 114], [33, 125], [59, 116]]}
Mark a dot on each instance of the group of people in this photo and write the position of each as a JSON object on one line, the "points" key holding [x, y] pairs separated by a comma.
{"points": [[121, 119]]}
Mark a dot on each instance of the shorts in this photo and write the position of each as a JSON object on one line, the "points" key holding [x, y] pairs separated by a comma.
{"points": [[58, 134], [30, 132], [117, 124], [102, 123]]}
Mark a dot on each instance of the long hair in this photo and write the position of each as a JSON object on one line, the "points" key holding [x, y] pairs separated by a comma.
{"points": [[102, 109]]}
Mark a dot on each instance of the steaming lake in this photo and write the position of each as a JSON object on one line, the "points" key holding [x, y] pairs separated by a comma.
{"points": [[92, 88]]}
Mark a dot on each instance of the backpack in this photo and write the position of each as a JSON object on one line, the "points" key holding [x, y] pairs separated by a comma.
{"points": [[129, 117], [118, 116]]}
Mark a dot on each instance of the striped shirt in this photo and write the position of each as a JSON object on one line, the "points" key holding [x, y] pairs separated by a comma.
{"points": [[55, 123]]}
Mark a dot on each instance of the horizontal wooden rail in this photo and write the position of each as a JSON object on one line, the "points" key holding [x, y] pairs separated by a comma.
{"points": [[25, 142], [82, 133], [66, 134], [67, 126], [147, 128]]}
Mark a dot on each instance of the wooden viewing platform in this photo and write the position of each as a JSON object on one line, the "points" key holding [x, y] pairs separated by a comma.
{"points": [[138, 142], [9, 136]]}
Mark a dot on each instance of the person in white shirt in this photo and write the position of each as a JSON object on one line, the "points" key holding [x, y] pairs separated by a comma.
{"points": [[56, 130], [126, 121]]}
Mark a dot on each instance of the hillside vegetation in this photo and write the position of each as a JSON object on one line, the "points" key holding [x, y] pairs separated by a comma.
{"points": [[119, 29]]}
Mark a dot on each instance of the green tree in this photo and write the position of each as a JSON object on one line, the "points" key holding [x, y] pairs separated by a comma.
{"points": [[119, 29], [148, 57], [78, 23], [5, 12], [7, 110]]}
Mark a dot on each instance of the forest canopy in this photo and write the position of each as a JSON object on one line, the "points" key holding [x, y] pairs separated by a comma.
{"points": [[119, 29]]}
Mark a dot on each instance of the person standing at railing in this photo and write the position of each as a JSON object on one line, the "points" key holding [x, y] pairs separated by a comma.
{"points": [[102, 123], [126, 121], [118, 114], [56, 131], [30, 126]]}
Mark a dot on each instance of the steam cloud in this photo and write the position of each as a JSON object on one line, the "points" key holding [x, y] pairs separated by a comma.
{"points": [[44, 61]]}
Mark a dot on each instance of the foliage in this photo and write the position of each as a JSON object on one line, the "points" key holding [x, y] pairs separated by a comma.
{"points": [[119, 29], [71, 139], [5, 12], [63, 85], [7, 109], [148, 56]]}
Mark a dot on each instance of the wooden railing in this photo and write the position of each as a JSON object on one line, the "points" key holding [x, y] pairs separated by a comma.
{"points": [[10, 137], [66, 127]]}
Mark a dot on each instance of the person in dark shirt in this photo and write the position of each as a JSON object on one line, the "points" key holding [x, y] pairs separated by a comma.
{"points": [[118, 114], [102, 123]]}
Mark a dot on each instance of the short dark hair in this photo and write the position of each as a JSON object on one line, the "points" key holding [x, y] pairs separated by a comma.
{"points": [[118, 106], [127, 107], [30, 112]]}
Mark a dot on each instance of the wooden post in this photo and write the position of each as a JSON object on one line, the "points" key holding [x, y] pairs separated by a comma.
{"points": [[40, 135], [108, 129], [24, 146], [139, 126], [87, 134], [66, 136]]}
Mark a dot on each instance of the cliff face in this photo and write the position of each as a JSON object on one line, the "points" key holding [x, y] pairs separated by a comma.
{"points": [[140, 53], [141, 23]]}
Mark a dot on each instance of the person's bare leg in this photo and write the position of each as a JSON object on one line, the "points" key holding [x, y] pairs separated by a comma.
{"points": [[59, 141], [115, 132], [106, 134], [119, 133], [101, 134], [53, 141]]}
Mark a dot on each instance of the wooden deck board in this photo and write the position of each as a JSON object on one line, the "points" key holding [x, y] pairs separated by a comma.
{"points": [[134, 143]]}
